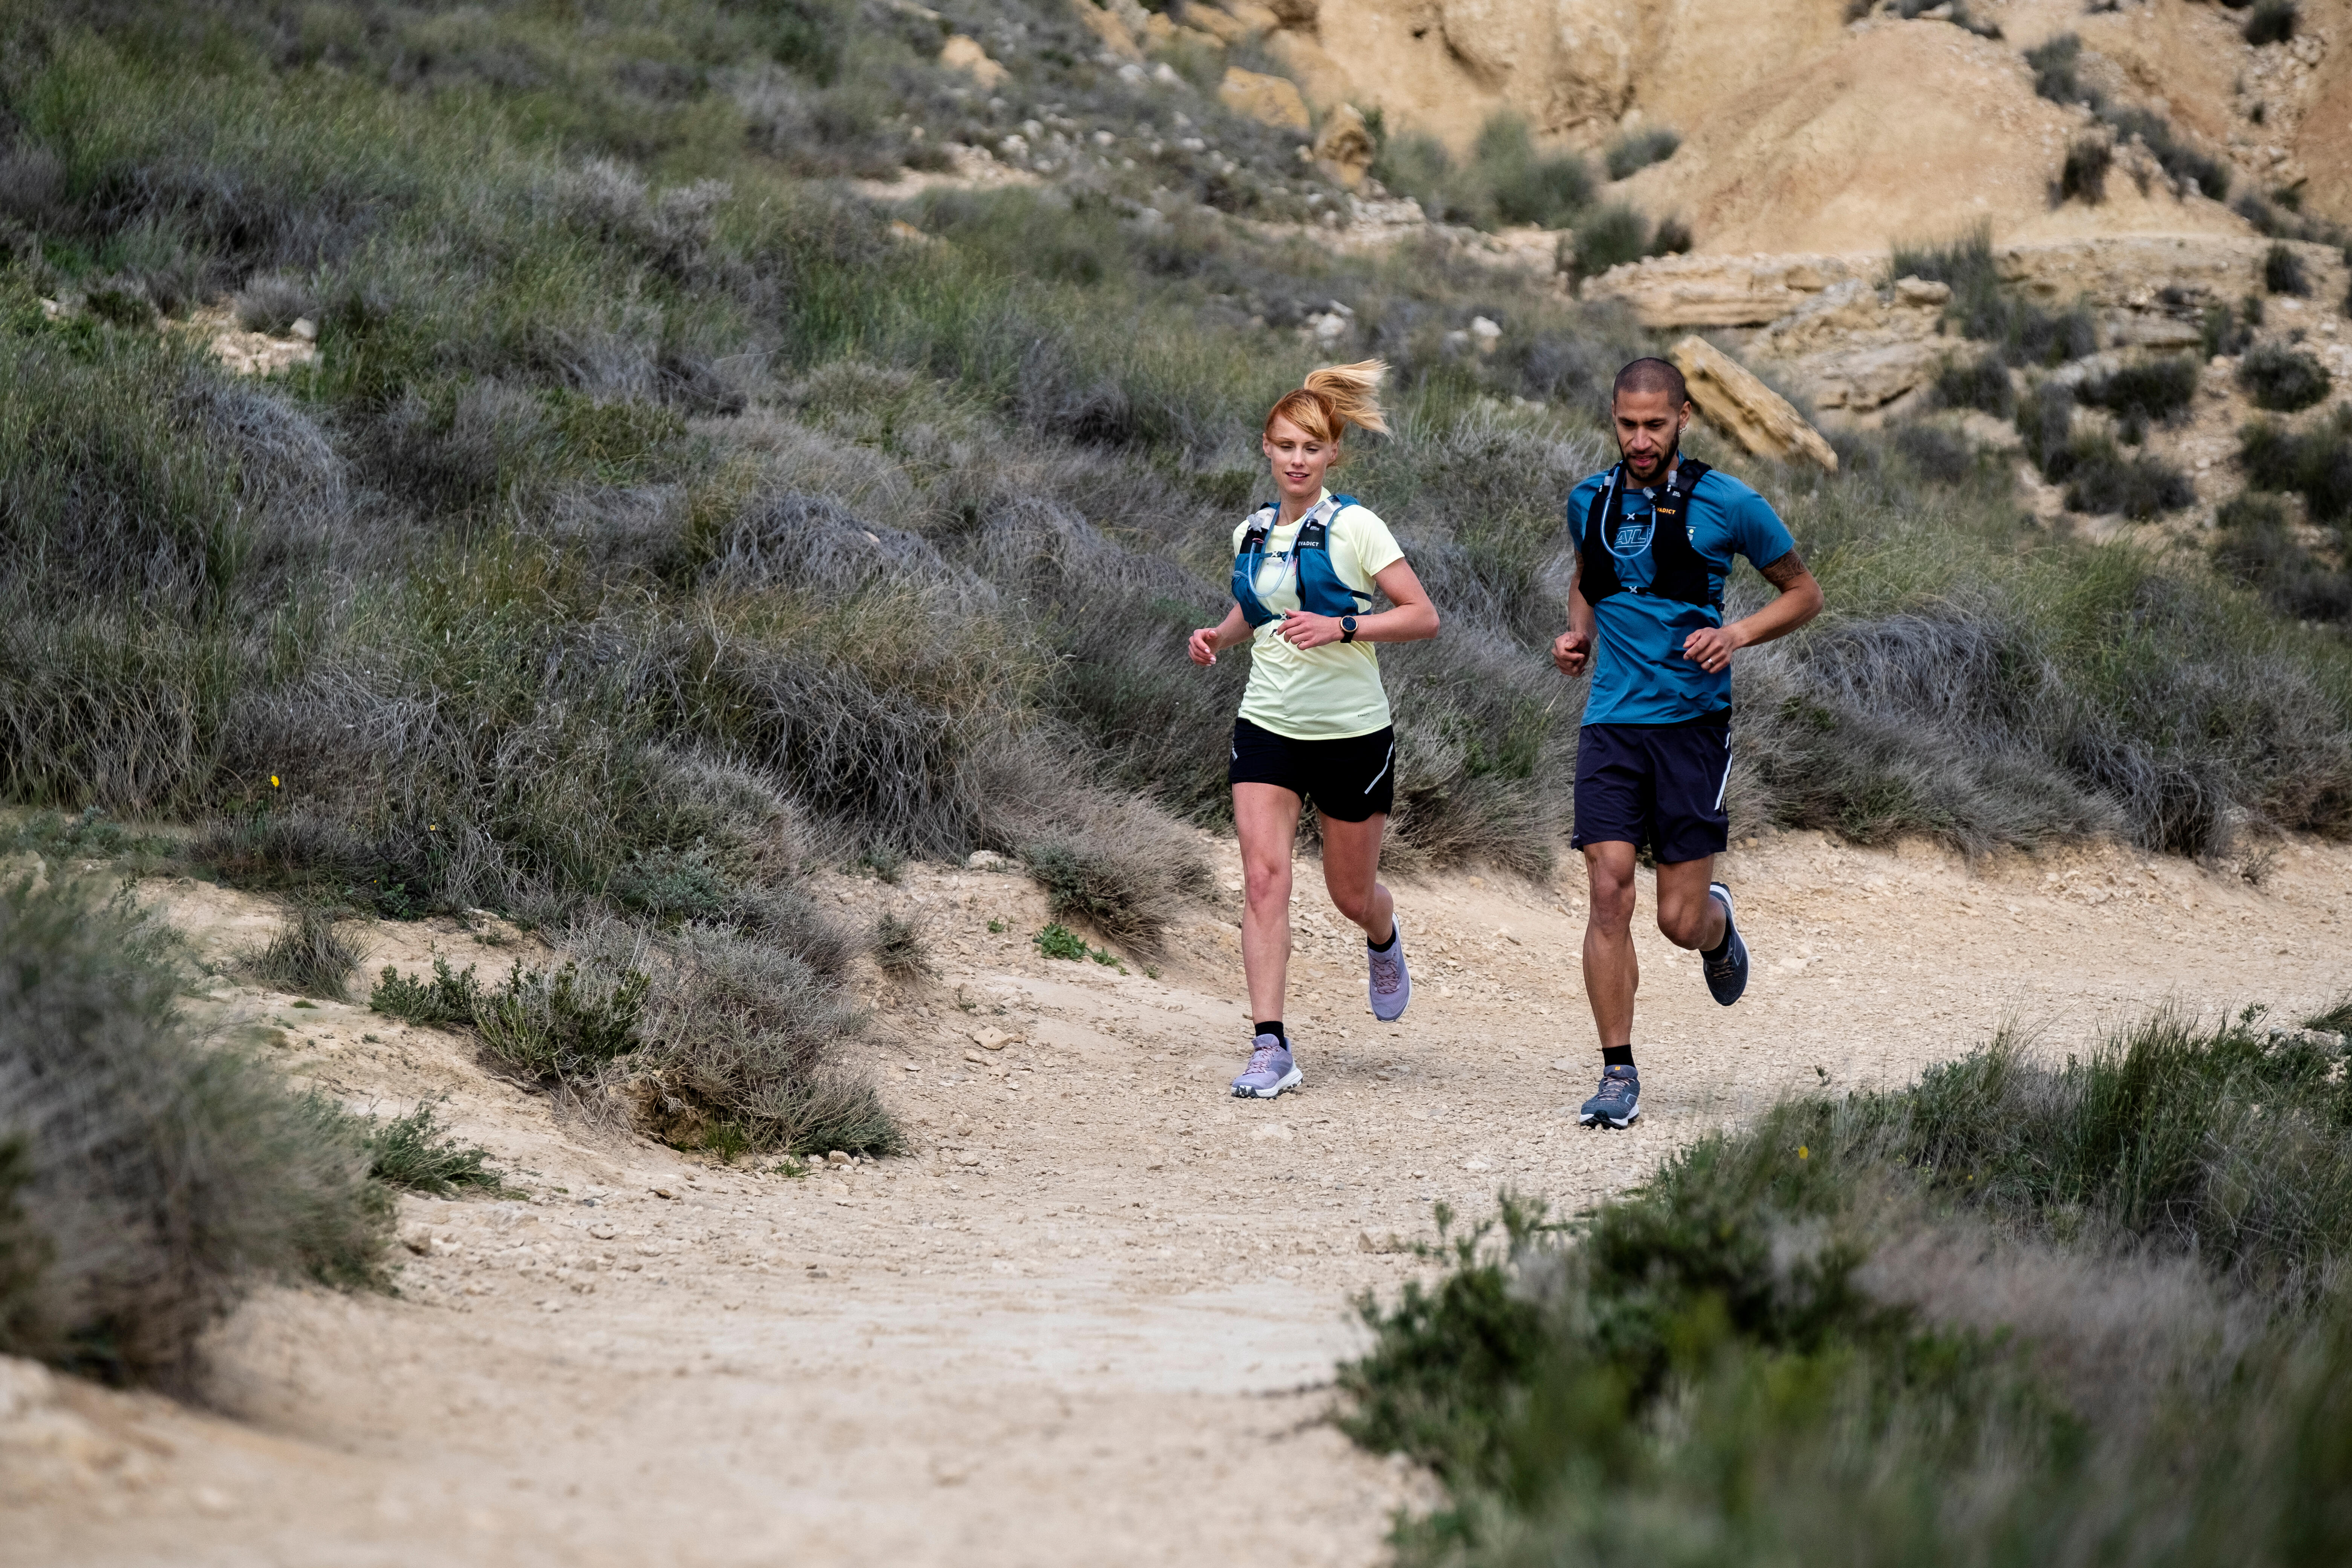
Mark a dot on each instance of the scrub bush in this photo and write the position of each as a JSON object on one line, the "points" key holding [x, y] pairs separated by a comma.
{"points": [[1505, 179], [2283, 379], [2155, 389], [1636, 151], [1981, 383], [2016, 1308], [415, 1152], [2254, 547], [2316, 463], [2272, 22], [2023, 333], [2084, 175], [156, 1177], [2282, 272]]}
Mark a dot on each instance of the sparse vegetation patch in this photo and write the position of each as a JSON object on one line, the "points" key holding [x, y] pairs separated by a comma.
{"points": [[1816, 1336], [2283, 379]]}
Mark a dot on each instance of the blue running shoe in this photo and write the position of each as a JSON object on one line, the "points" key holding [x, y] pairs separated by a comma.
{"points": [[1392, 982], [1270, 1070], [1726, 976], [1617, 1103]]}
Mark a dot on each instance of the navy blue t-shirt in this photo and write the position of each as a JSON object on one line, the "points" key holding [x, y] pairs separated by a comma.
{"points": [[1639, 674]]}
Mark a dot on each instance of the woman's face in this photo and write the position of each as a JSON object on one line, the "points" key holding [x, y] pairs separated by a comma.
{"points": [[1299, 460]]}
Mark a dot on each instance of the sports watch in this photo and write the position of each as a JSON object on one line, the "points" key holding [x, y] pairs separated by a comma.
{"points": [[1346, 628]]}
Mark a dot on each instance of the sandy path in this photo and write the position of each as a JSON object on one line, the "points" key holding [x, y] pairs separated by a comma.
{"points": [[1093, 1318]]}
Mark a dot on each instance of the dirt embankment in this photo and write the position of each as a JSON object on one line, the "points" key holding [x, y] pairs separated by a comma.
{"points": [[1094, 1318]]}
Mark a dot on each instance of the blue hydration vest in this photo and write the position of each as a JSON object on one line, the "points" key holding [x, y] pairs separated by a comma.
{"points": [[1320, 590]]}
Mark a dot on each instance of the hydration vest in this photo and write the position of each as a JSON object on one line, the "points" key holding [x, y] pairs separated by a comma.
{"points": [[1677, 571], [1320, 590]]}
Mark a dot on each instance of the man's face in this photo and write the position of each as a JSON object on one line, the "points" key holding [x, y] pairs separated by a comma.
{"points": [[1649, 428]]}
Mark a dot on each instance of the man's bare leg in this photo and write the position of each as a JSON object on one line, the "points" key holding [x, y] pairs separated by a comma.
{"points": [[1612, 973]]}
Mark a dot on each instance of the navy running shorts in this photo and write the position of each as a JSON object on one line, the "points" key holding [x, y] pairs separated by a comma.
{"points": [[1348, 779], [1660, 784]]}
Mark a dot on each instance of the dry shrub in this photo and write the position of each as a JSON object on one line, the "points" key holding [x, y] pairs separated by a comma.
{"points": [[159, 1177]]}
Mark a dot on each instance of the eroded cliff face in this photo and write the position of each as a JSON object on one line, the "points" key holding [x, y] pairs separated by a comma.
{"points": [[1805, 129]]}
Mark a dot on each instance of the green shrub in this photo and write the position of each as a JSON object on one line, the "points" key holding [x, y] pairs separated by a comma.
{"points": [[1058, 941], [1637, 150], [310, 958], [2282, 272], [2084, 175], [155, 1177], [1504, 180], [565, 1024], [415, 1153], [2283, 379], [1616, 234], [2254, 547], [2099, 479], [1860, 1328], [1982, 308], [1981, 383], [2155, 389], [2178, 159], [2227, 331], [2054, 64], [2317, 463], [740, 1036], [447, 998], [2272, 22]]}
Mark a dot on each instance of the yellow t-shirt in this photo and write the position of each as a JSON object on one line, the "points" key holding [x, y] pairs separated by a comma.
{"points": [[1327, 693]]}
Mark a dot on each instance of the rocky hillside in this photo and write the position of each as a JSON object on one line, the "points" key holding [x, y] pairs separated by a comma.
{"points": [[1838, 125]]}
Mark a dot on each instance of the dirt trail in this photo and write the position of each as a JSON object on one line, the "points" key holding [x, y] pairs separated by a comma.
{"points": [[1095, 1318]]}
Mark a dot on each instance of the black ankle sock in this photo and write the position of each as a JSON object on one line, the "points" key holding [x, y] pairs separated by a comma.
{"points": [[1720, 948], [1616, 1056], [1272, 1027], [1383, 946]]}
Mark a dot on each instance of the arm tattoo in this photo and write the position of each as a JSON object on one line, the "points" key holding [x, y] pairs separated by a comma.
{"points": [[1783, 571]]}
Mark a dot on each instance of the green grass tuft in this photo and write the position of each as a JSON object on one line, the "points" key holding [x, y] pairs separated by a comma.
{"points": [[415, 1152], [310, 958]]}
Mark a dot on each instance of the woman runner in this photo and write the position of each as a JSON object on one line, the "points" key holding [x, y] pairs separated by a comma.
{"points": [[1314, 724]]}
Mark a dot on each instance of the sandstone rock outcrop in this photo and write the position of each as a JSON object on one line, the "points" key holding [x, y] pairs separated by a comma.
{"points": [[1343, 148], [1268, 100], [965, 54], [1736, 403], [1561, 63], [1323, 80], [1859, 348], [1722, 290]]}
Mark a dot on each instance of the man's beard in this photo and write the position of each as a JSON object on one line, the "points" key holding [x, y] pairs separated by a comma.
{"points": [[1665, 460]]}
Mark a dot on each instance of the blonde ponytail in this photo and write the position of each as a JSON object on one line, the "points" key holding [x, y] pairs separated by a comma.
{"points": [[1335, 397]]}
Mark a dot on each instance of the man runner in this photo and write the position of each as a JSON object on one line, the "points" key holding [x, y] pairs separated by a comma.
{"points": [[1654, 537]]}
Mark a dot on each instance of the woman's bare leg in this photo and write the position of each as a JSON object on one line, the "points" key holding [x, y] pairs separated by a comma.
{"points": [[1351, 871], [1266, 819]]}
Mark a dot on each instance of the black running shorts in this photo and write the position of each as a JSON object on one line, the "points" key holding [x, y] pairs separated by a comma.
{"points": [[1348, 779], [1660, 784]]}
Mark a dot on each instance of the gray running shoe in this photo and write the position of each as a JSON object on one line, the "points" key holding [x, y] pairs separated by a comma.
{"points": [[1391, 985], [1617, 1103], [1726, 976], [1270, 1070]]}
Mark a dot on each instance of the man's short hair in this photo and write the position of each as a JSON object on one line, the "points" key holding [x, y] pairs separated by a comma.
{"points": [[1651, 375]]}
